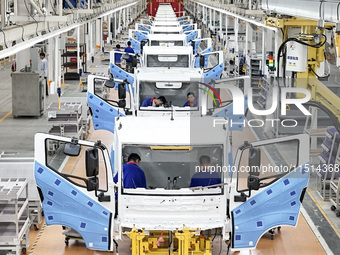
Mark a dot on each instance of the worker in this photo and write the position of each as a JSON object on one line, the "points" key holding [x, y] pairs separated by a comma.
{"points": [[118, 57], [205, 177], [155, 102], [191, 100], [128, 60], [133, 175], [44, 67]]}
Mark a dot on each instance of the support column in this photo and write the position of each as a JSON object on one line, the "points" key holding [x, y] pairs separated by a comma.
{"points": [[3, 13], [221, 20], [247, 41], [101, 35], [264, 32], [97, 29], [51, 57], [226, 33], [278, 39], [120, 14], [91, 36], [236, 28], [78, 50], [57, 66], [203, 15], [109, 27], [124, 18], [88, 41], [115, 26], [61, 8]]}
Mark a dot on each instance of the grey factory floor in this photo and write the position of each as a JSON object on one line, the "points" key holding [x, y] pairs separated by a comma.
{"points": [[17, 138]]}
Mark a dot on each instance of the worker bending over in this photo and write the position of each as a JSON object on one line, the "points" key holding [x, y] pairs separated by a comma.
{"points": [[133, 175], [155, 102], [205, 177]]}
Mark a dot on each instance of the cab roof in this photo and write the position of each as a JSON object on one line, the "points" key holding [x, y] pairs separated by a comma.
{"points": [[166, 29], [173, 50], [174, 74], [164, 131], [166, 19], [167, 37], [165, 23]]}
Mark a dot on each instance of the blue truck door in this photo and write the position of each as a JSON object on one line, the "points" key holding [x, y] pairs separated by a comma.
{"points": [[65, 198], [278, 200], [103, 113]]}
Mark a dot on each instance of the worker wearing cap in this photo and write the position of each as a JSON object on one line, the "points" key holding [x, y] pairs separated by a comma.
{"points": [[133, 175], [153, 101], [204, 177]]}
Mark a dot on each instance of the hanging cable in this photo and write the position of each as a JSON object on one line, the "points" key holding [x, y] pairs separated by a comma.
{"points": [[23, 32], [317, 76], [36, 31], [317, 46], [55, 12], [4, 38]]}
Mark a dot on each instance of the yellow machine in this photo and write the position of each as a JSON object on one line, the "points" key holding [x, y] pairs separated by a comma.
{"points": [[309, 80], [179, 242]]}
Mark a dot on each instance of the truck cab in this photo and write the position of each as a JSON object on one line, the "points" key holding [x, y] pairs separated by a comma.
{"points": [[167, 40], [173, 85], [243, 205], [141, 38]]}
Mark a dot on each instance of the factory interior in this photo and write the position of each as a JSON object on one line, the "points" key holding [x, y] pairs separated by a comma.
{"points": [[169, 127]]}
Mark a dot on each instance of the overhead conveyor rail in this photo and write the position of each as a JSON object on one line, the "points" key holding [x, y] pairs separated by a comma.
{"points": [[49, 26]]}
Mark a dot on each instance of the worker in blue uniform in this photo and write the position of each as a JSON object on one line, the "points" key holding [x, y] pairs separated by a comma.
{"points": [[128, 60], [133, 175], [153, 101], [205, 177], [191, 100], [118, 57]]}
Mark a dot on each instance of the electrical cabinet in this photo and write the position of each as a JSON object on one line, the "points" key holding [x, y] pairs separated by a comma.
{"points": [[297, 56], [28, 93]]}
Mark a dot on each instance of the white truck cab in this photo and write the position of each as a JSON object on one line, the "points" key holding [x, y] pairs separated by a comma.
{"points": [[243, 205], [171, 84]]}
